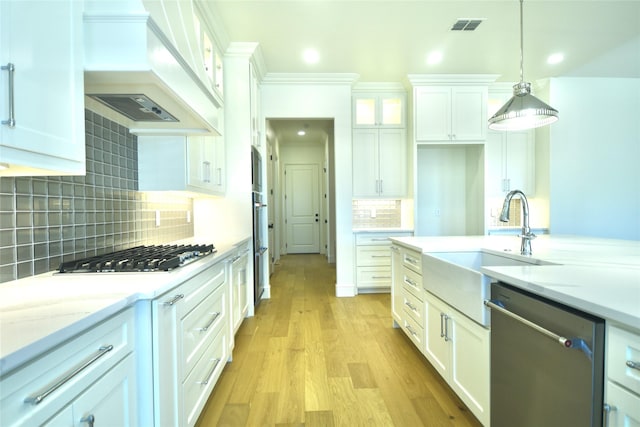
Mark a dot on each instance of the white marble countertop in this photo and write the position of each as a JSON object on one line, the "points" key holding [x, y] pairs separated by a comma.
{"points": [[598, 276], [39, 312]]}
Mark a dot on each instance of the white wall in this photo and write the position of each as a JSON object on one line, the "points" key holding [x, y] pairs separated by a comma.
{"points": [[594, 157], [282, 97]]}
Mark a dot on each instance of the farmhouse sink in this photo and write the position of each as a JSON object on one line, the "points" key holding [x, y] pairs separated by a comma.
{"points": [[455, 278]]}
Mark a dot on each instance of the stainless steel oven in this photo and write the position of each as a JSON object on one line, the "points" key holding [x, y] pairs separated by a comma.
{"points": [[259, 212]]}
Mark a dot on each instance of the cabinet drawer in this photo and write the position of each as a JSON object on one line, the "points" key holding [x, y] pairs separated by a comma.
{"points": [[412, 260], [371, 277], [373, 239], [625, 407], [72, 366], [198, 385], [623, 358], [373, 255], [414, 331], [413, 307], [196, 288], [412, 282], [200, 326]]}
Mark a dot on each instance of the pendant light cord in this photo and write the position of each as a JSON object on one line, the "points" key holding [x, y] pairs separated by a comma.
{"points": [[521, 45]]}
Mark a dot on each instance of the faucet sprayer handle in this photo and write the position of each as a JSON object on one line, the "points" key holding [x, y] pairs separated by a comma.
{"points": [[527, 236]]}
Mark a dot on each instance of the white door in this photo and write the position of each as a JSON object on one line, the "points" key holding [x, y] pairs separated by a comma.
{"points": [[302, 208]]}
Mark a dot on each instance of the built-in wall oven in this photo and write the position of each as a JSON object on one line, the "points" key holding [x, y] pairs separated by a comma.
{"points": [[259, 211]]}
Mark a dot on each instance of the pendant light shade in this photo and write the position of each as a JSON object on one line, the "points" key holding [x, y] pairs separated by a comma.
{"points": [[523, 110]]}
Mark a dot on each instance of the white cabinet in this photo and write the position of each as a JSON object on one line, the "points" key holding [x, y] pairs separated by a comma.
{"points": [[450, 114], [407, 294], [379, 163], [373, 260], [622, 390], [90, 375], [190, 349], [459, 349], [375, 110], [181, 163], [509, 162], [396, 285], [41, 88], [239, 280]]}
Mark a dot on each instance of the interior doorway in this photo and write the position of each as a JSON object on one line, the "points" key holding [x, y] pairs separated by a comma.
{"points": [[302, 208], [300, 183]]}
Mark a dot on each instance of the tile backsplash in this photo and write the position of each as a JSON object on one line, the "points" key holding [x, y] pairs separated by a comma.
{"points": [[381, 213], [47, 220]]}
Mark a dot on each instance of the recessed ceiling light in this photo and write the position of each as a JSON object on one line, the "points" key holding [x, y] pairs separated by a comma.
{"points": [[434, 58], [301, 133], [555, 58], [311, 56]]}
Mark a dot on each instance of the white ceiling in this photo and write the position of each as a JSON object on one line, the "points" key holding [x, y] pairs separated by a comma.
{"points": [[384, 40]]}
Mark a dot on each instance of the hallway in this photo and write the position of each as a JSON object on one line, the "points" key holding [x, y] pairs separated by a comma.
{"points": [[308, 358]]}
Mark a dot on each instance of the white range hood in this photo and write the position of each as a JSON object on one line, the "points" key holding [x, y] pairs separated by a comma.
{"points": [[136, 77]]}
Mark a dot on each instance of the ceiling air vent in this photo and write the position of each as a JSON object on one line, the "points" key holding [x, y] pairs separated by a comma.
{"points": [[464, 24]]}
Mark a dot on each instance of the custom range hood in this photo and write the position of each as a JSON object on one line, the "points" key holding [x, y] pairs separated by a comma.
{"points": [[136, 77]]}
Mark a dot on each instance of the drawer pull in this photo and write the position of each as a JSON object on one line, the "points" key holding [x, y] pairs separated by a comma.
{"points": [[633, 365], [411, 306], [607, 410], [174, 300], [210, 374], [411, 282], [380, 256], [410, 329], [411, 261], [382, 277], [208, 325], [90, 419], [34, 400]]}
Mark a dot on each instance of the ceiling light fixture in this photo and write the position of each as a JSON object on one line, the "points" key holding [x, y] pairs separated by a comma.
{"points": [[434, 58], [311, 56], [523, 110], [301, 133], [555, 58]]}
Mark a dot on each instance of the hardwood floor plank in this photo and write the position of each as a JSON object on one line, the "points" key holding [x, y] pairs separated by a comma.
{"points": [[310, 359], [318, 419], [234, 415], [361, 376]]}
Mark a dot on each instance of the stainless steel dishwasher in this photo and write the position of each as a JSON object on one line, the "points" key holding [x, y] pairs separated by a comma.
{"points": [[547, 362]]}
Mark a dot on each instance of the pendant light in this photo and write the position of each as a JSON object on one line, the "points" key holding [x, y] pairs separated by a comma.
{"points": [[523, 110]]}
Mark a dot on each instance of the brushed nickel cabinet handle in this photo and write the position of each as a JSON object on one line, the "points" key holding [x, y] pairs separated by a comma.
{"points": [[11, 122], [174, 300], [208, 325], [39, 397], [633, 365], [90, 419], [207, 379]]}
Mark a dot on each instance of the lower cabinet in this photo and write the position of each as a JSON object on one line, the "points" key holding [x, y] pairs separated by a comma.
{"points": [[373, 260], [459, 349], [190, 348], [90, 377], [622, 388]]}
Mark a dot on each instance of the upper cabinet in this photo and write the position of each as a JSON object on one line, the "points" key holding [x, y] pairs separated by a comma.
{"points": [[182, 163], [450, 109], [509, 162], [41, 89], [379, 141], [451, 114], [371, 110]]}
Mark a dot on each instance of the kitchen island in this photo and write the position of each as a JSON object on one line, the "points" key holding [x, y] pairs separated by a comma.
{"points": [[433, 287]]}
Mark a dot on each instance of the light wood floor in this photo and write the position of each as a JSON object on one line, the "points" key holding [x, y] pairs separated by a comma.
{"points": [[308, 358]]}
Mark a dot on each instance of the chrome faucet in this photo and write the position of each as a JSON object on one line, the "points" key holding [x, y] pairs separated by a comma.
{"points": [[527, 236]]}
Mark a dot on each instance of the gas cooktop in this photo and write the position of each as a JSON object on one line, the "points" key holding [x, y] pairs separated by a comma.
{"points": [[139, 259]]}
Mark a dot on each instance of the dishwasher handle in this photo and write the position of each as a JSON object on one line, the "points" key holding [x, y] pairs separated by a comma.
{"points": [[577, 343]]}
